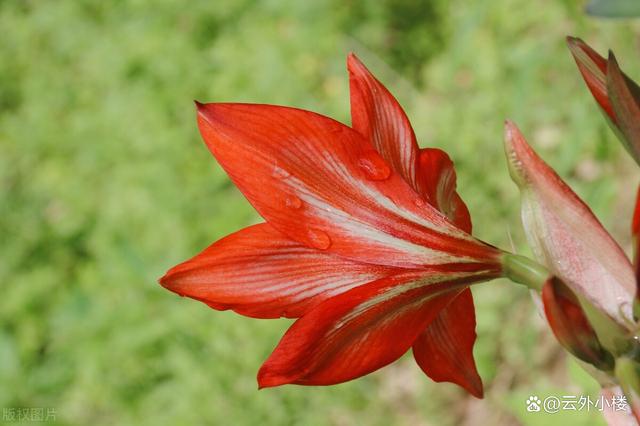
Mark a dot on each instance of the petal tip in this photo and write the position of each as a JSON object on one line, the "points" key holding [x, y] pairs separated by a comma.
{"points": [[512, 135], [509, 126], [574, 42], [270, 379], [216, 112], [163, 281], [515, 147], [579, 48], [168, 282], [354, 64], [476, 388], [172, 279]]}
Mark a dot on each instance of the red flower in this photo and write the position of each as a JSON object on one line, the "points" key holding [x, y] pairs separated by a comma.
{"points": [[616, 94], [366, 241], [566, 236], [619, 98]]}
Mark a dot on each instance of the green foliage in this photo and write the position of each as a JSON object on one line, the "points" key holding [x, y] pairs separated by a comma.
{"points": [[104, 184], [407, 32]]}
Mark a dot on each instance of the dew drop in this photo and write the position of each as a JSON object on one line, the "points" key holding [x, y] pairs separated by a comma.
{"points": [[279, 172], [318, 239], [293, 202], [374, 166]]}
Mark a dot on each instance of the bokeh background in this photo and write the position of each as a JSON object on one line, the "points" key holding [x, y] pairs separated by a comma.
{"points": [[105, 184]]}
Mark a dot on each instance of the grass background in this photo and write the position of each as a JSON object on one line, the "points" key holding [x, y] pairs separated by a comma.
{"points": [[105, 184]]}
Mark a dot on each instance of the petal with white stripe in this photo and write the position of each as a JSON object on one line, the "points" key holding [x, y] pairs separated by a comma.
{"points": [[320, 183], [444, 350], [377, 115], [259, 272], [363, 329], [617, 95], [436, 181], [593, 68]]}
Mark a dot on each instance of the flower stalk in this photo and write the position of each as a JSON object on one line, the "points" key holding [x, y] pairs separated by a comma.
{"points": [[522, 270], [627, 372]]}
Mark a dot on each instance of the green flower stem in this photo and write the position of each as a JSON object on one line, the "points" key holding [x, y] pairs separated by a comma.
{"points": [[628, 374], [523, 270]]}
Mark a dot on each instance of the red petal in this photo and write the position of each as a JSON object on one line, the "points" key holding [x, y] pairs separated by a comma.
{"points": [[437, 183], [593, 68], [360, 331], [566, 236], [635, 232], [378, 116], [260, 273], [320, 183], [635, 224], [617, 94], [571, 326], [625, 104], [444, 351]]}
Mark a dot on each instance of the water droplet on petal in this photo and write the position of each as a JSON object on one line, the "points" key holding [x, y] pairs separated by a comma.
{"points": [[318, 239], [293, 202], [374, 166], [279, 172]]}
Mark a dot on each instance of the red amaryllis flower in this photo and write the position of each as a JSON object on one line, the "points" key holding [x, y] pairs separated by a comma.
{"points": [[617, 95], [366, 241], [569, 240], [619, 98]]}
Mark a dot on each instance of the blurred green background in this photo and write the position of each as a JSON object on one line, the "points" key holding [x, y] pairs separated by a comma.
{"points": [[105, 184]]}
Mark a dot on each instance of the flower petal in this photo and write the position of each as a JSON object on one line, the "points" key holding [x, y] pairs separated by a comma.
{"points": [[436, 181], [259, 272], [566, 236], [571, 325], [635, 233], [617, 94], [444, 351], [362, 330], [635, 224], [320, 183], [625, 106], [378, 116], [593, 68]]}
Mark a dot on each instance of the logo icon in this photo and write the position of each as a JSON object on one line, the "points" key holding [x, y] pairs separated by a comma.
{"points": [[533, 404]]}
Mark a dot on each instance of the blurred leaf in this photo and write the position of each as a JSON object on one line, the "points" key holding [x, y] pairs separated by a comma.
{"points": [[614, 8]]}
